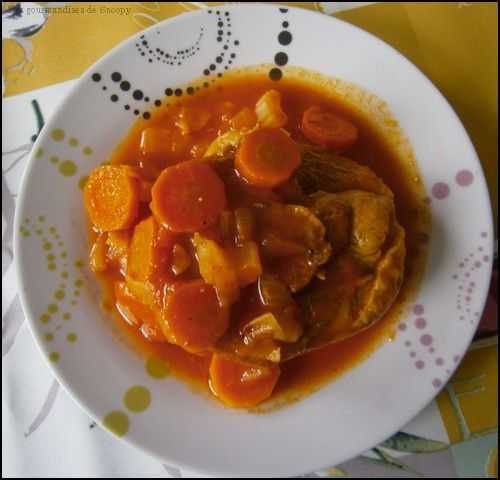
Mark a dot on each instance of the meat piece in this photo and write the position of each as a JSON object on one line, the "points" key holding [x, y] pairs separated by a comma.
{"points": [[374, 298], [333, 173], [337, 218], [358, 219], [295, 229]]}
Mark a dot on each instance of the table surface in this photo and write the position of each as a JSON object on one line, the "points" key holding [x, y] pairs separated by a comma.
{"points": [[44, 433]]}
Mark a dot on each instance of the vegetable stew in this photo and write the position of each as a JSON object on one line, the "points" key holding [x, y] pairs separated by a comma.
{"points": [[258, 236]]}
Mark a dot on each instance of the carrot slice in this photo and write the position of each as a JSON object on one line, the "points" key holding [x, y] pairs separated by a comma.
{"points": [[327, 129], [188, 197], [241, 385], [193, 318], [267, 157], [111, 197]]}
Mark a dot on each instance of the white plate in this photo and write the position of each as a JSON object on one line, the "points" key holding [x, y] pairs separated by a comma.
{"points": [[346, 417]]}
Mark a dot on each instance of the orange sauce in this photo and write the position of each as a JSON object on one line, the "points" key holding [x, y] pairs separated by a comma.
{"points": [[306, 373]]}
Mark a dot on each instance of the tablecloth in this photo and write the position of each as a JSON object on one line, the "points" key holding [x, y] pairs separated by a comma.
{"points": [[45, 49]]}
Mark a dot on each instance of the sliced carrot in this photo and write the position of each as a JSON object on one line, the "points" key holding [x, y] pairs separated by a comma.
{"points": [[111, 197], [147, 260], [241, 385], [188, 197], [99, 254], [328, 130], [267, 157], [192, 318], [137, 314]]}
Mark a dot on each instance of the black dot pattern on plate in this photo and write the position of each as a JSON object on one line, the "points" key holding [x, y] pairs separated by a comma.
{"points": [[281, 58], [156, 53], [223, 33], [121, 85]]}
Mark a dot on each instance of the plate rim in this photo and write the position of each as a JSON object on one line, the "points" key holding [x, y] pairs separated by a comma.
{"points": [[23, 199]]}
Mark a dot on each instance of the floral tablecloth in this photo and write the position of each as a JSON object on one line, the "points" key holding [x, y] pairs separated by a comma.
{"points": [[46, 46]]}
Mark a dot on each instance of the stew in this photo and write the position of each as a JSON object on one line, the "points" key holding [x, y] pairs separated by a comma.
{"points": [[258, 236]]}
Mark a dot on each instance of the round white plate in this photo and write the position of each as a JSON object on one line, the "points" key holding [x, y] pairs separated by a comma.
{"points": [[348, 416]]}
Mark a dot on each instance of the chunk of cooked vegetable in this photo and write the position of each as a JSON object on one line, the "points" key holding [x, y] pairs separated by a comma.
{"points": [[245, 224], [147, 292], [162, 147], [273, 245], [245, 119], [99, 254], [201, 146], [193, 318], [269, 111], [155, 143], [118, 243], [111, 197], [267, 157], [181, 259], [239, 384], [192, 119], [117, 247], [245, 259], [223, 144], [276, 296], [217, 269], [227, 227], [264, 325], [147, 260], [273, 292], [328, 129], [188, 197], [138, 314]]}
